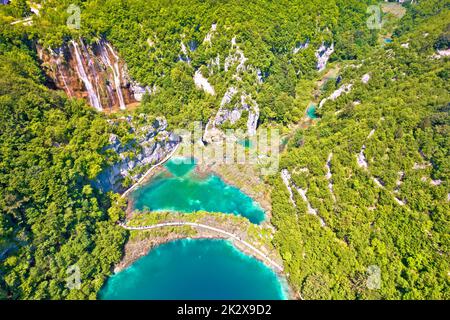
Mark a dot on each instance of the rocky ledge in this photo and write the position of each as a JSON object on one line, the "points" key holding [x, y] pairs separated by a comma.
{"points": [[150, 145]]}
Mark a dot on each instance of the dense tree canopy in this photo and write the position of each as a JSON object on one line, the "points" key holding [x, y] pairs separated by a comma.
{"points": [[51, 216], [392, 214], [406, 103]]}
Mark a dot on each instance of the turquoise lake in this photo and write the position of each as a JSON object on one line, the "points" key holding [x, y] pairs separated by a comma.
{"points": [[195, 269], [311, 112], [184, 191]]}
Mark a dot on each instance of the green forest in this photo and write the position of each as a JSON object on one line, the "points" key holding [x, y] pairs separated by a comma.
{"points": [[392, 211], [406, 102]]}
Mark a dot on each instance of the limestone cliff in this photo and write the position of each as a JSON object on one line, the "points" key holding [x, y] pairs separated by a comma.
{"points": [[151, 144], [94, 72]]}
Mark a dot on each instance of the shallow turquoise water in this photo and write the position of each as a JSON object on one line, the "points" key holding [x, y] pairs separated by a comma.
{"points": [[195, 269], [246, 143], [311, 112], [388, 40], [180, 166], [184, 191]]}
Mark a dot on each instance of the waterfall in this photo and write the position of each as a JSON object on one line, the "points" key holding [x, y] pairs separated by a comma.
{"points": [[111, 95], [93, 97], [57, 60], [92, 69], [116, 73], [69, 93]]}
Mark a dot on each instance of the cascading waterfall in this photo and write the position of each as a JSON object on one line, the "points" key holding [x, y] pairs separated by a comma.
{"points": [[93, 97], [92, 72], [68, 91], [111, 94], [92, 69], [116, 74], [57, 59]]}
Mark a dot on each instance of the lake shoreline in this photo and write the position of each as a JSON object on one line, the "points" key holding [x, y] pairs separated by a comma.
{"points": [[134, 250], [139, 249]]}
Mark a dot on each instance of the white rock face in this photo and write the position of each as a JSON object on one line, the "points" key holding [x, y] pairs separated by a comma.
{"points": [[418, 166], [238, 57], [361, 158], [214, 64], [235, 62], [183, 48], [344, 89], [300, 47], [253, 113], [336, 94], [210, 33], [400, 202], [365, 78], [139, 91], [286, 177], [185, 56], [329, 176], [323, 55], [233, 114], [202, 83], [377, 182], [442, 53], [233, 42], [154, 143], [436, 182], [302, 193], [228, 96]]}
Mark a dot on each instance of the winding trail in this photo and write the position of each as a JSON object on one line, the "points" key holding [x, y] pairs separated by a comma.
{"points": [[150, 170], [198, 225]]}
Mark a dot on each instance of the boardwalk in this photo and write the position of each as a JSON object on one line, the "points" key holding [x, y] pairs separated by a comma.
{"points": [[149, 171], [221, 231]]}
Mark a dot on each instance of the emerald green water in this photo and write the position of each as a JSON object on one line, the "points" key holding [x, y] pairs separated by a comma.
{"points": [[311, 112], [204, 269], [246, 143], [194, 269], [180, 166], [184, 191]]}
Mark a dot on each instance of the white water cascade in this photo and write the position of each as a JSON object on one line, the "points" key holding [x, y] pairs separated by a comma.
{"points": [[116, 73], [93, 97]]}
